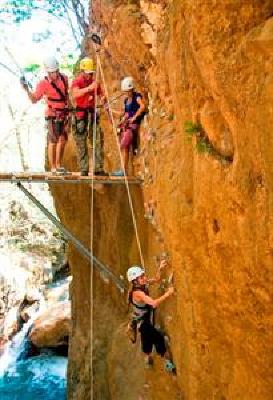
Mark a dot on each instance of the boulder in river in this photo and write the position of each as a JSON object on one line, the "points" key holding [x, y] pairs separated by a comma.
{"points": [[52, 327]]}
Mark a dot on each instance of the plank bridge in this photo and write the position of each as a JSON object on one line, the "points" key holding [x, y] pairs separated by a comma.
{"points": [[73, 178]]}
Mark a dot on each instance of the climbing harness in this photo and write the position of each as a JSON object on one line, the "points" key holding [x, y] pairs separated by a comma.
{"points": [[60, 117], [62, 95], [132, 107], [141, 313]]}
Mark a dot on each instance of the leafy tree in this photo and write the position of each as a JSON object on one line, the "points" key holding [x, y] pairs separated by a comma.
{"points": [[69, 11]]}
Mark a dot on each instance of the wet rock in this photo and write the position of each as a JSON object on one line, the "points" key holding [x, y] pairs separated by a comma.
{"points": [[60, 293], [33, 295], [28, 312], [52, 328]]}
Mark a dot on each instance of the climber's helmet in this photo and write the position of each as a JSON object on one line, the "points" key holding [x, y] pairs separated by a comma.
{"points": [[87, 65], [134, 273], [51, 64], [127, 84]]}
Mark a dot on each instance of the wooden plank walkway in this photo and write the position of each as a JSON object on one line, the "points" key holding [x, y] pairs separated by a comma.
{"points": [[75, 178]]}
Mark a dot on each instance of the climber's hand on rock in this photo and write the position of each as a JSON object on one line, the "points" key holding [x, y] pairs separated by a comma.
{"points": [[163, 264]]}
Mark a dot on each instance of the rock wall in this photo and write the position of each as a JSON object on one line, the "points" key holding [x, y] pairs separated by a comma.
{"points": [[206, 68]]}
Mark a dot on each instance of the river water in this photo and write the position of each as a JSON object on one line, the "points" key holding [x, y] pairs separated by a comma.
{"points": [[40, 377], [22, 377], [35, 378]]}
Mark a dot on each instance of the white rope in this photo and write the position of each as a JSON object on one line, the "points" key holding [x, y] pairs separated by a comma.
{"points": [[94, 139], [122, 163]]}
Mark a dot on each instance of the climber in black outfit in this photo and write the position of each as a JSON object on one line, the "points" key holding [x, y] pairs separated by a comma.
{"points": [[143, 307]]}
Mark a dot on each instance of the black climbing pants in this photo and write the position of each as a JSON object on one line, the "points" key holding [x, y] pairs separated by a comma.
{"points": [[150, 337]]}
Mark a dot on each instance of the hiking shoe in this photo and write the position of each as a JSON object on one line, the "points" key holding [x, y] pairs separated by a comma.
{"points": [[62, 171], [118, 173], [148, 362], [101, 173], [84, 173], [170, 367]]}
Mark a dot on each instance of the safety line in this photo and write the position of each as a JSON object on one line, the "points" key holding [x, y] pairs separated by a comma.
{"points": [[105, 272], [94, 139], [122, 164]]}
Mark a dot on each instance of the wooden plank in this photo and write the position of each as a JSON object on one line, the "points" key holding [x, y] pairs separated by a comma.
{"points": [[75, 177]]}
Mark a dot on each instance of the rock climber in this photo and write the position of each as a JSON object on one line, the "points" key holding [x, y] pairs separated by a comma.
{"points": [[134, 112], [84, 89], [143, 310], [54, 90]]}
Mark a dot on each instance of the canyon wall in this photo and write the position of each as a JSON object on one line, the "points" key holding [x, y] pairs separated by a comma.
{"points": [[206, 69]]}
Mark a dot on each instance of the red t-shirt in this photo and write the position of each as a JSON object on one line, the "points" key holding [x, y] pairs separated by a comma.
{"points": [[87, 100], [45, 90]]}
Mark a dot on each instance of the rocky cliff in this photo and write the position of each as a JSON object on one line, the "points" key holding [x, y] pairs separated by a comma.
{"points": [[206, 69]]}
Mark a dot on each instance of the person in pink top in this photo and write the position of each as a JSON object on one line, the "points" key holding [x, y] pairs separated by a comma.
{"points": [[54, 90]]}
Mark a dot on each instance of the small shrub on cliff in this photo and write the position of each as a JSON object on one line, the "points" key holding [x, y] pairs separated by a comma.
{"points": [[192, 128], [202, 144]]}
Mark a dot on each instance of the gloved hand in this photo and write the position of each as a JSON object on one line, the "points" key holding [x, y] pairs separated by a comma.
{"points": [[24, 82]]}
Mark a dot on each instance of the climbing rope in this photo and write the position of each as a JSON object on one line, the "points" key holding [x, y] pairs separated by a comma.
{"points": [[94, 142], [121, 160]]}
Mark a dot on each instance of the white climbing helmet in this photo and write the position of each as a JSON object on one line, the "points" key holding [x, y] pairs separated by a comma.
{"points": [[127, 84], [134, 272], [51, 64]]}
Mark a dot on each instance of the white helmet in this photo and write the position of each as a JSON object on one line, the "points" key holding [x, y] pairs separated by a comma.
{"points": [[51, 64], [134, 272], [127, 84]]}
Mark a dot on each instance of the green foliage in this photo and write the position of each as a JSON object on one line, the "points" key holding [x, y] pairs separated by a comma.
{"points": [[74, 13], [204, 146], [192, 128], [32, 68], [67, 65], [21, 10], [202, 143]]}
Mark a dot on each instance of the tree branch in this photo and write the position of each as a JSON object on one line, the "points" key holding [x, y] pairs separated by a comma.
{"points": [[18, 140]]}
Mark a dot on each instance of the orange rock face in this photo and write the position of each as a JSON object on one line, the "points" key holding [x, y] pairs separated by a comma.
{"points": [[209, 63]]}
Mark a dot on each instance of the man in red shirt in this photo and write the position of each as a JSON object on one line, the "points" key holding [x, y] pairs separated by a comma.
{"points": [[54, 89], [84, 92]]}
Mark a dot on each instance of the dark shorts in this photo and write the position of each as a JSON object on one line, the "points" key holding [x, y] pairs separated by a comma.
{"points": [[150, 337], [56, 130]]}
